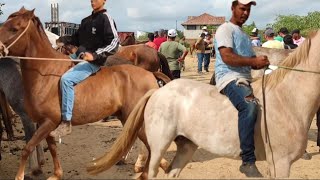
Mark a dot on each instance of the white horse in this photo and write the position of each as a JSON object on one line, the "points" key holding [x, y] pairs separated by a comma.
{"points": [[204, 118]]}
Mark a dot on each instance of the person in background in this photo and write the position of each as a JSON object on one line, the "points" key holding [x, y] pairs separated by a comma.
{"points": [[271, 43], [288, 42], [150, 42], [156, 34], [174, 52], [281, 34], [162, 38], [297, 38], [205, 30], [255, 40], [208, 50], [234, 60], [200, 49], [185, 44]]}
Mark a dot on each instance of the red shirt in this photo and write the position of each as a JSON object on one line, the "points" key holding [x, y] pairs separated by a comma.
{"points": [[158, 41], [152, 44]]}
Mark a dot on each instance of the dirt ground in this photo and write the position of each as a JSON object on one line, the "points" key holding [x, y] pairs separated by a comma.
{"points": [[91, 141]]}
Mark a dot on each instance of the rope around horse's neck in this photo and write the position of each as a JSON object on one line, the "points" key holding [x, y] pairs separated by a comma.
{"points": [[45, 59]]}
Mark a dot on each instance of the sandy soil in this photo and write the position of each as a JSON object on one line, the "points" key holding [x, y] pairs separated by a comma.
{"points": [[90, 141]]}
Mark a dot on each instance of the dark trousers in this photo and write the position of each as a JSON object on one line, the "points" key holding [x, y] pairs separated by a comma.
{"points": [[206, 61], [176, 74], [247, 115]]}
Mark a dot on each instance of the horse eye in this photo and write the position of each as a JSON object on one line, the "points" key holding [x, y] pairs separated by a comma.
{"points": [[13, 30]]}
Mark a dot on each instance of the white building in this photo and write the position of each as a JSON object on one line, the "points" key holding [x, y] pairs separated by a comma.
{"points": [[193, 26]]}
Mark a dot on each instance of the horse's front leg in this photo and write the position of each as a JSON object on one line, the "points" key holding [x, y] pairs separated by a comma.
{"points": [[45, 128], [279, 168], [56, 163]]}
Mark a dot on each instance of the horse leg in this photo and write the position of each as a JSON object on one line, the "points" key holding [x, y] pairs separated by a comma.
{"points": [[1, 132], [45, 128], [6, 112], [279, 168], [57, 166], [35, 161], [185, 151], [318, 126], [139, 165]]}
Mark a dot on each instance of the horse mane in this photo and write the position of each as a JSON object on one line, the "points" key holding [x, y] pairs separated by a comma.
{"points": [[298, 56]]}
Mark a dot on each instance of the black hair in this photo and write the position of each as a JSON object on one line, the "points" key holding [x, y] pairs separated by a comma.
{"points": [[295, 31], [151, 36]]}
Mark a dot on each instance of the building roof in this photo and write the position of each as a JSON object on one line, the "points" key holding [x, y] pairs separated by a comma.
{"points": [[204, 19]]}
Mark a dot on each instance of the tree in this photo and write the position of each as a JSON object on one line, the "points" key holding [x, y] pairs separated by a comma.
{"points": [[304, 23], [1, 4]]}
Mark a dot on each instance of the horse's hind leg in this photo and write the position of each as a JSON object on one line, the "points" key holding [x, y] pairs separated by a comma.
{"points": [[143, 151], [57, 166], [318, 126], [185, 151], [43, 131]]}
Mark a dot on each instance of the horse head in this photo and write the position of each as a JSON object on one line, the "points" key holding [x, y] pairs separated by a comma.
{"points": [[17, 30]]}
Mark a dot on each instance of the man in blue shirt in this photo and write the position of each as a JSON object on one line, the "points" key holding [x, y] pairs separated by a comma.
{"points": [[234, 60]]}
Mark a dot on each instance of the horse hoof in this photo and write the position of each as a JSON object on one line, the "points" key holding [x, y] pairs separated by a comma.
{"points": [[121, 162], [36, 172], [306, 156], [54, 178], [138, 169]]}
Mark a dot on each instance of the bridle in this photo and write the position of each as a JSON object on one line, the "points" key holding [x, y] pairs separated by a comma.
{"points": [[4, 50]]}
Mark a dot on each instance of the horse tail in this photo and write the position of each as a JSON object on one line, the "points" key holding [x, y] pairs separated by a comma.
{"points": [[125, 140], [164, 66], [163, 77]]}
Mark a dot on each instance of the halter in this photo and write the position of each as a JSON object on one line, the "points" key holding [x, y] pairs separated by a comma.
{"points": [[5, 49]]}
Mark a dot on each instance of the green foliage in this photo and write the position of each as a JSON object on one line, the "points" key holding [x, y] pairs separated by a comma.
{"points": [[304, 23], [248, 28], [143, 37]]}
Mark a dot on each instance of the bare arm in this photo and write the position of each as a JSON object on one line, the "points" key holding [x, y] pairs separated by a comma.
{"points": [[233, 59]]}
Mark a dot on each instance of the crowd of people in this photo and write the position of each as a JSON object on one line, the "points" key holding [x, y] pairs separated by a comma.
{"points": [[282, 40]]}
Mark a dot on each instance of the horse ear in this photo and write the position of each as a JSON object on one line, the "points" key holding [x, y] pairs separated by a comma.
{"points": [[30, 14], [22, 9]]}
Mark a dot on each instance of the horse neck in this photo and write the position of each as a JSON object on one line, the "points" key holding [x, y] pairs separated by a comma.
{"points": [[41, 75], [299, 91]]}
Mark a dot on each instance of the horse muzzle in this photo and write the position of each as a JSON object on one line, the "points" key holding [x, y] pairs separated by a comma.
{"points": [[4, 51]]}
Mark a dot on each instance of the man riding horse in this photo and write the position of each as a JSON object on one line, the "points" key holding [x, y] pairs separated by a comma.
{"points": [[97, 38]]}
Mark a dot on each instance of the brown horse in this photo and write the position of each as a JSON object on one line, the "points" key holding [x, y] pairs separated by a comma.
{"points": [[112, 90], [139, 54]]}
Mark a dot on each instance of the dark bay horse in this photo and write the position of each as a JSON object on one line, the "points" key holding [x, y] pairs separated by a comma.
{"points": [[11, 93], [112, 90]]}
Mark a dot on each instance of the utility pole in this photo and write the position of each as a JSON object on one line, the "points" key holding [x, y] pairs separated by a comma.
{"points": [[176, 24]]}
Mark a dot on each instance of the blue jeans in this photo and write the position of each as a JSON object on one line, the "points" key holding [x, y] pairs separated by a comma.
{"points": [[71, 78], [247, 115], [206, 61], [200, 60]]}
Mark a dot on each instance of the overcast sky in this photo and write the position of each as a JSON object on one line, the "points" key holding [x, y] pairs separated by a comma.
{"points": [[151, 15]]}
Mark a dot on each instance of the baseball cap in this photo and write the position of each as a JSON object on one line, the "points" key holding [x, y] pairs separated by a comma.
{"points": [[254, 30], [269, 32], [172, 33], [204, 27], [245, 2]]}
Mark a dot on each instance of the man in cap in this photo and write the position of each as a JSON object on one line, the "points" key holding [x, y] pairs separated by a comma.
{"points": [[234, 60], [271, 42], [174, 52]]}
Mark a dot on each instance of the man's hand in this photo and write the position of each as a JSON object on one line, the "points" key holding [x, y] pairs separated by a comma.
{"points": [[87, 56], [180, 59], [260, 62]]}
